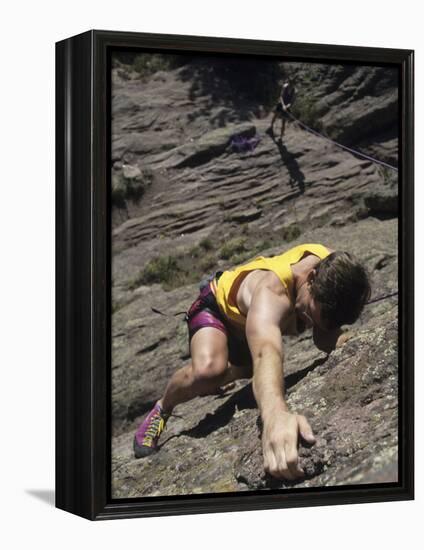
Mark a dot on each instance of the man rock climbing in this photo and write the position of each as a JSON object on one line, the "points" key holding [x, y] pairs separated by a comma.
{"points": [[287, 97], [235, 331]]}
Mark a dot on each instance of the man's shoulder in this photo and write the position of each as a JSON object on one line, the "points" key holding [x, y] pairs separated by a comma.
{"points": [[270, 298], [311, 246], [272, 282]]}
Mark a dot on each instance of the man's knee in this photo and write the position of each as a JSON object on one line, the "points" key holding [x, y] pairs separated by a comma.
{"points": [[209, 368]]}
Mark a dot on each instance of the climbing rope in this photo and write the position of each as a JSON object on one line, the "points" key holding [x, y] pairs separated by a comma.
{"points": [[315, 132], [382, 297]]}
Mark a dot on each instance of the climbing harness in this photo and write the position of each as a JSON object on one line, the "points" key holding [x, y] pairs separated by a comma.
{"points": [[315, 132]]}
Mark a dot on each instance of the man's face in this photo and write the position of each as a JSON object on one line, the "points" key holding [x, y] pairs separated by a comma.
{"points": [[308, 311]]}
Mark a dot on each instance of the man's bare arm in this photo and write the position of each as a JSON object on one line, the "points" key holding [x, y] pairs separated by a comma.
{"points": [[265, 343], [284, 105], [280, 427]]}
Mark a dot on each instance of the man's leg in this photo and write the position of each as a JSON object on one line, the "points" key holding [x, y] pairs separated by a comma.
{"points": [[209, 369], [272, 122], [283, 127], [234, 372], [205, 373]]}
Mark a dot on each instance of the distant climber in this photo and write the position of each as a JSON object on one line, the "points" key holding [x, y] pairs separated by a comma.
{"points": [[285, 102], [235, 331]]}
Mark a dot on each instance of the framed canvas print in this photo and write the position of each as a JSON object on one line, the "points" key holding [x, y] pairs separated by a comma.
{"points": [[234, 274]]}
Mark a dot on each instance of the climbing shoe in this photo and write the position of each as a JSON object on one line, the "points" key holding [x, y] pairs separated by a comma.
{"points": [[148, 433]]}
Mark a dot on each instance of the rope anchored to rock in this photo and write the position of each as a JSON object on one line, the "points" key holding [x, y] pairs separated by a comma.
{"points": [[353, 151]]}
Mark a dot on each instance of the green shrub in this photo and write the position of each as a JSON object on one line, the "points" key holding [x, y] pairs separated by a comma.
{"points": [[207, 263], [116, 306], [188, 266], [195, 252], [291, 232], [241, 258], [233, 247], [125, 189], [388, 175], [119, 192], [305, 110], [146, 64], [262, 245], [164, 269], [206, 244]]}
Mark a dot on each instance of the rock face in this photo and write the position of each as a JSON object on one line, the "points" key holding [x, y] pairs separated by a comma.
{"points": [[190, 204]]}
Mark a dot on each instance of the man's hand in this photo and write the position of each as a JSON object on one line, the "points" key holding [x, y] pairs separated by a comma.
{"points": [[280, 442], [343, 338]]}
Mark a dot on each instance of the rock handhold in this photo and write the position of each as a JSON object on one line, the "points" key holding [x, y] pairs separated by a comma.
{"points": [[246, 215]]}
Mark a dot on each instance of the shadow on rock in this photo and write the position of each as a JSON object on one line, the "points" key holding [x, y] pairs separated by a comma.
{"points": [[292, 379], [242, 399], [297, 177]]}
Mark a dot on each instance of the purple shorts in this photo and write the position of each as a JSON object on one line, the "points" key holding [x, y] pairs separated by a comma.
{"points": [[204, 312]]}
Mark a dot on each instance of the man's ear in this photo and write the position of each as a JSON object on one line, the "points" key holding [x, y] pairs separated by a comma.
{"points": [[311, 276]]}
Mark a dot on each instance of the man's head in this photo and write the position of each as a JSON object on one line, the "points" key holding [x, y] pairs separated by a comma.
{"points": [[339, 287]]}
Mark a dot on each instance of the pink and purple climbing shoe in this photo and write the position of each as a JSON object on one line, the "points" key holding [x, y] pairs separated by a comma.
{"points": [[148, 433]]}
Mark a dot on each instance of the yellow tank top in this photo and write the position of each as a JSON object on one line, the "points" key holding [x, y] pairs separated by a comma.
{"points": [[229, 282]]}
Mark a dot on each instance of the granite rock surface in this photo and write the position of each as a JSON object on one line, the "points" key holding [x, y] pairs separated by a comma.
{"points": [[185, 196]]}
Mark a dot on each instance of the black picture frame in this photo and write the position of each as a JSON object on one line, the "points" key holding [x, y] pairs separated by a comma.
{"points": [[83, 306]]}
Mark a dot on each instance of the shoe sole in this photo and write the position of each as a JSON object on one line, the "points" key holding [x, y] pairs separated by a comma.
{"points": [[141, 451]]}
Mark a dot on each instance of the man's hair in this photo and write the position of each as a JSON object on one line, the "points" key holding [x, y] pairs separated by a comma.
{"points": [[342, 288]]}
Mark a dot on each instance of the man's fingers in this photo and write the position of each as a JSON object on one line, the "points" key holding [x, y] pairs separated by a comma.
{"points": [[275, 464], [292, 459], [270, 462], [305, 429], [290, 451], [282, 471], [280, 446]]}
